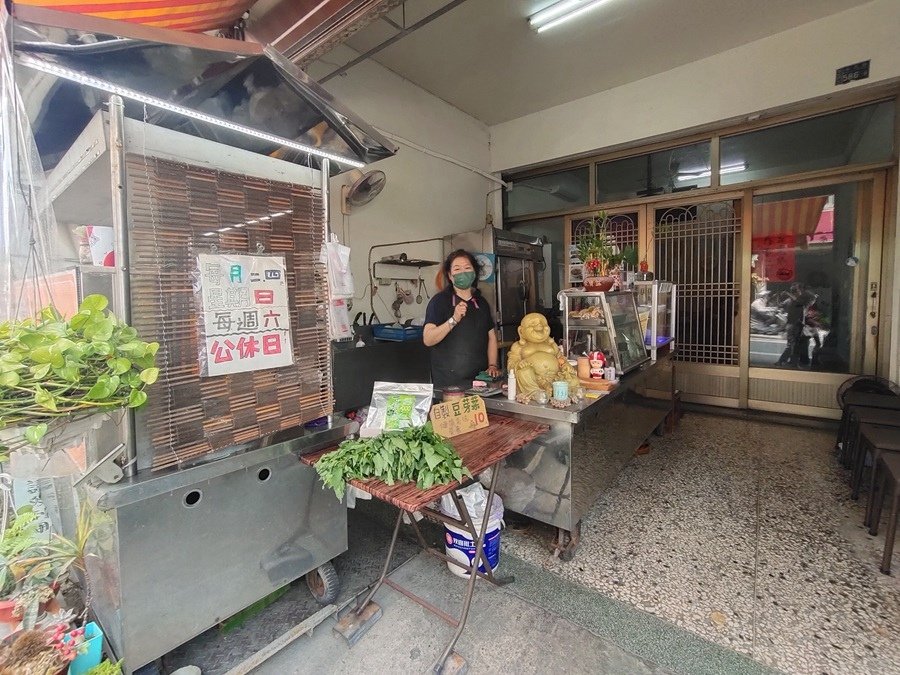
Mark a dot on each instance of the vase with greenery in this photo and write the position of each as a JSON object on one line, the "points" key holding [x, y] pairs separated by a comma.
{"points": [[53, 370], [600, 254]]}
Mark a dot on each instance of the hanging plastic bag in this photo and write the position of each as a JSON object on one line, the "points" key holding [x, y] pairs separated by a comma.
{"points": [[339, 319], [340, 278], [475, 498], [26, 215]]}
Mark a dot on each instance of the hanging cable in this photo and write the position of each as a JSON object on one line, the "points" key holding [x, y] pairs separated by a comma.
{"points": [[438, 155]]}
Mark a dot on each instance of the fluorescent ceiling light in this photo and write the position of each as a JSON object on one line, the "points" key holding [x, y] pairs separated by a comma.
{"points": [[732, 168], [97, 83], [560, 12]]}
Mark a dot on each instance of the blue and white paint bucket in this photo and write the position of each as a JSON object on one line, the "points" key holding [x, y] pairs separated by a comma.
{"points": [[459, 544]]}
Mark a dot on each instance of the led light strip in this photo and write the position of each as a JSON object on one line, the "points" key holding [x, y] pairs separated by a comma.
{"points": [[733, 168], [97, 83], [561, 12]]}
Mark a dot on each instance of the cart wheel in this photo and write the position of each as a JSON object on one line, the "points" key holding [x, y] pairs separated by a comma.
{"points": [[324, 583]]}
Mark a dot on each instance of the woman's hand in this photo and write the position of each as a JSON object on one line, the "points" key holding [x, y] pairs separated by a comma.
{"points": [[493, 371], [460, 311]]}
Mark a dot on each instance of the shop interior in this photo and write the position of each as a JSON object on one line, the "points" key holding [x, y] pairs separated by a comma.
{"points": [[235, 235]]}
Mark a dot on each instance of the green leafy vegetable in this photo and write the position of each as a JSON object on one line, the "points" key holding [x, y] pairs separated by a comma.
{"points": [[51, 368], [415, 454], [106, 667]]}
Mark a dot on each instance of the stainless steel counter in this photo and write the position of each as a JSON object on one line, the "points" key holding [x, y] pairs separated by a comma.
{"points": [[556, 478], [165, 545], [572, 414]]}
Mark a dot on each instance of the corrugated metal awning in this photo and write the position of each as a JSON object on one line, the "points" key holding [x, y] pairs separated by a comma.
{"points": [[186, 15]]}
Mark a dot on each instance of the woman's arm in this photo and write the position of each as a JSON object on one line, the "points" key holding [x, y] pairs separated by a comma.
{"points": [[492, 353], [433, 333]]}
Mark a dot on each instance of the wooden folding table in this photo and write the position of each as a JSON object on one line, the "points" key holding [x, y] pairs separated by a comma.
{"points": [[480, 450]]}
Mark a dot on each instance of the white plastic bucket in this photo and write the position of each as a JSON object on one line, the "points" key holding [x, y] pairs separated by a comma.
{"points": [[459, 545]]}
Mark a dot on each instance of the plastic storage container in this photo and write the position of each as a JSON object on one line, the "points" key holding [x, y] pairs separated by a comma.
{"points": [[93, 650], [387, 331]]}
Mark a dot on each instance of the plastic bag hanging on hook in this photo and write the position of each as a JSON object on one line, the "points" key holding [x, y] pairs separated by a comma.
{"points": [[340, 278], [26, 214]]}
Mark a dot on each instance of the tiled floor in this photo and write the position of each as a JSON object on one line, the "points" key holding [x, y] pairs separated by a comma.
{"points": [[741, 532]]}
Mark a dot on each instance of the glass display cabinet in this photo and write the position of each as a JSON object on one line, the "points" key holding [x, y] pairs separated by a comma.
{"points": [[608, 322], [656, 310]]}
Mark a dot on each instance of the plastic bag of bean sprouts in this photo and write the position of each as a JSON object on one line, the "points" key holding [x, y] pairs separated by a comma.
{"points": [[397, 405]]}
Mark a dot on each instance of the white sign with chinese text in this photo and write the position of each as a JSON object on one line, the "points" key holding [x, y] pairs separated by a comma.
{"points": [[246, 317]]}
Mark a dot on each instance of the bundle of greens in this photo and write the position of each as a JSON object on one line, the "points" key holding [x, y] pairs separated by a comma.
{"points": [[51, 368], [414, 454]]}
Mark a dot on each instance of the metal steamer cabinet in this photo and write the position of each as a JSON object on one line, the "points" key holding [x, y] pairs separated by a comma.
{"points": [[217, 511], [556, 478], [607, 322]]}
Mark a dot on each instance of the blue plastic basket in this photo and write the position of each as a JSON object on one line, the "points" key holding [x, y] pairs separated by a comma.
{"points": [[386, 331]]}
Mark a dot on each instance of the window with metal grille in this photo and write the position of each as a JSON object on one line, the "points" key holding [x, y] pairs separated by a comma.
{"points": [[695, 248], [623, 227]]}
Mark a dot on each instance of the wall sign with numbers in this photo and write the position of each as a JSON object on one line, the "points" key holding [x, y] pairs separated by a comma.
{"points": [[246, 318]]}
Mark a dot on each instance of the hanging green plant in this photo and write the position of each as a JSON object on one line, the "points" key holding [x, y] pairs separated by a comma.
{"points": [[51, 368]]}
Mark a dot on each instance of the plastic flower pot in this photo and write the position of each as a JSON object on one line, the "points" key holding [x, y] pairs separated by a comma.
{"points": [[90, 652], [6, 612], [7, 609]]}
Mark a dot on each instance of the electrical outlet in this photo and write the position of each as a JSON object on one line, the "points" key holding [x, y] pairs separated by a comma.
{"points": [[384, 282]]}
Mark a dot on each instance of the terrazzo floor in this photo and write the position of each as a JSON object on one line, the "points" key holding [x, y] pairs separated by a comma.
{"points": [[741, 532]]}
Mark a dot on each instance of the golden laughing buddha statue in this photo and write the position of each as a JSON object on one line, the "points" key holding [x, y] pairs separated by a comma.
{"points": [[537, 361]]}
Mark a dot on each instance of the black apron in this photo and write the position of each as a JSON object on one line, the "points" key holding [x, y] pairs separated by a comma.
{"points": [[460, 356]]}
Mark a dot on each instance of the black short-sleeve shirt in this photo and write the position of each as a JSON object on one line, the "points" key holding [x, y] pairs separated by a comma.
{"points": [[460, 356]]}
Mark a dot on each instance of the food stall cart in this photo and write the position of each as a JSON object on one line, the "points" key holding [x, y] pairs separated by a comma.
{"points": [[556, 478], [218, 217]]}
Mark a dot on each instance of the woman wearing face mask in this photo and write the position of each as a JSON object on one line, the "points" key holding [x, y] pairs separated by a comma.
{"points": [[459, 327]]}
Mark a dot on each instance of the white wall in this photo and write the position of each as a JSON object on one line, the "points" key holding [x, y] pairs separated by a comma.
{"points": [[779, 70], [424, 196]]}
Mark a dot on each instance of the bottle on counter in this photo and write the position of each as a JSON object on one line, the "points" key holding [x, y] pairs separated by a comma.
{"points": [[511, 385]]}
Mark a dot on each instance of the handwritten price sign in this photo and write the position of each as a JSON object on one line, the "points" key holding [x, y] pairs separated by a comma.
{"points": [[458, 417]]}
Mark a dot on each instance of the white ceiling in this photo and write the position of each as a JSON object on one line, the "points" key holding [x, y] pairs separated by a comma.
{"points": [[484, 59]]}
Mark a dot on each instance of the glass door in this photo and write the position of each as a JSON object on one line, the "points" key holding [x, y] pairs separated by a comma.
{"points": [[812, 264]]}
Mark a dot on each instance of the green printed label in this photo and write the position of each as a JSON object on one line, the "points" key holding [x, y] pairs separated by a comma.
{"points": [[399, 411]]}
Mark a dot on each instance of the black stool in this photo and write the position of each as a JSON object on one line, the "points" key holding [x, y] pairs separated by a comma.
{"points": [[880, 441], [856, 452], [887, 469], [868, 400]]}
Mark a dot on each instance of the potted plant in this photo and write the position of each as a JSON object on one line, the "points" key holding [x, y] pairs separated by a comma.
{"points": [[600, 254], [32, 566], [53, 370]]}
